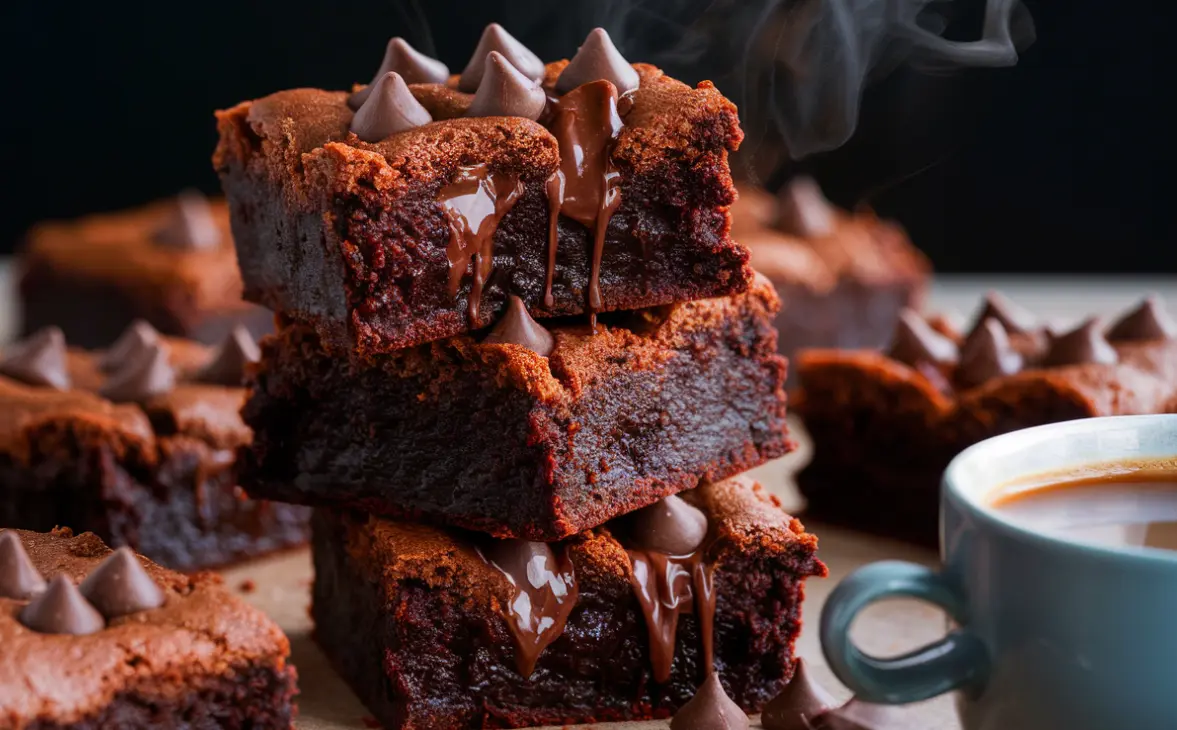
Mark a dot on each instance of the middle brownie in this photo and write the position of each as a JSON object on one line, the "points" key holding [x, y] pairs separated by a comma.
{"points": [[497, 438]]}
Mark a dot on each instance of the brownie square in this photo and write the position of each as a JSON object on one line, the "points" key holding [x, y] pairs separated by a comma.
{"points": [[158, 474], [92, 277], [886, 424], [350, 236], [416, 619], [843, 277], [497, 438], [154, 649]]}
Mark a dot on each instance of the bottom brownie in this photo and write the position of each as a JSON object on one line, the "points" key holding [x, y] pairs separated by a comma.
{"points": [[416, 619], [99, 640]]}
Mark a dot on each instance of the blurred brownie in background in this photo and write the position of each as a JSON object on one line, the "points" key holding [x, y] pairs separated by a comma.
{"points": [[137, 443], [886, 424], [170, 263], [843, 277]]}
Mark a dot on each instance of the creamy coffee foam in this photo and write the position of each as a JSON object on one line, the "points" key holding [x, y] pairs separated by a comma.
{"points": [[1125, 505]]}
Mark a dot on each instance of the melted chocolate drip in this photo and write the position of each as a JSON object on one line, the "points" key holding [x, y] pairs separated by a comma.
{"points": [[544, 593], [586, 122], [474, 203], [666, 586]]}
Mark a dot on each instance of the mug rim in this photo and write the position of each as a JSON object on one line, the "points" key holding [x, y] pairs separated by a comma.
{"points": [[995, 446]]}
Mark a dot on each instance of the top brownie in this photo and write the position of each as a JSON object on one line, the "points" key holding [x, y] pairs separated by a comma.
{"points": [[582, 187]]}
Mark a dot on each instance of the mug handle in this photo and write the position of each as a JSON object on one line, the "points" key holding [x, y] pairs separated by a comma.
{"points": [[958, 660]]}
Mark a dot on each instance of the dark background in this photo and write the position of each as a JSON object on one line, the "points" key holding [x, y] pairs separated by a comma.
{"points": [[1063, 163]]}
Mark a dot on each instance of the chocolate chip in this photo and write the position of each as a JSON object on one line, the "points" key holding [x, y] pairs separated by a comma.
{"points": [[799, 702], [597, 59], [19, 579], [412, 65], [987, 353], [1083, 345], [120, 585], [496, 38], [710, 709], [504, 92], [143, 376], [228, 364], [1015, 319], [916, 342], [803, 209], [859, 715], [389, 109], [670, 525], [61, 609], [191, 225], [137, 338], [39, 360], [518, 328], [1149, 321]]}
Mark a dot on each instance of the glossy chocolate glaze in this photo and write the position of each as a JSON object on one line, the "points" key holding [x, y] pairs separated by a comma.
{"points": [[544, 593], [585, 122], [474, 203]]}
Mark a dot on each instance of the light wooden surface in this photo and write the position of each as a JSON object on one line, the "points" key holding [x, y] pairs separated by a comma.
{"points": [[280, 585]]}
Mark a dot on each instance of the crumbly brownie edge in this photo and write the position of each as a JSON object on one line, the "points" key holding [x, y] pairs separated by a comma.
{"points": [[251, 697], [181, 512]]}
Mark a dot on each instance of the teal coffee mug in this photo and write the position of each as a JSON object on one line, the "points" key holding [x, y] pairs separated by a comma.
{"points": [[1046, 632]]}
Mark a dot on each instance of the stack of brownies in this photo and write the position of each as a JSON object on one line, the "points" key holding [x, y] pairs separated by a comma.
{"points": [[519, 364]]}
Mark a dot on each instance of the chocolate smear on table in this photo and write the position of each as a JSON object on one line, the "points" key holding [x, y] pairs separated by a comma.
{"points": [[38, 360], [799, 702], [496, 38], [1148, 321], [517, 327], [19, 578], [139, 336], [1015, 319], [803, 209], [143, 376], [389, 109], [505, 92], [412, 65], [474, 203], [120, 585], [61, 609], [597, 59], [544, 592], [585, 123], [859, 715], [915, 342], [228, 364], [191, 226], [710, 709], [667, 583], [986, 354], [1083, 345]]}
